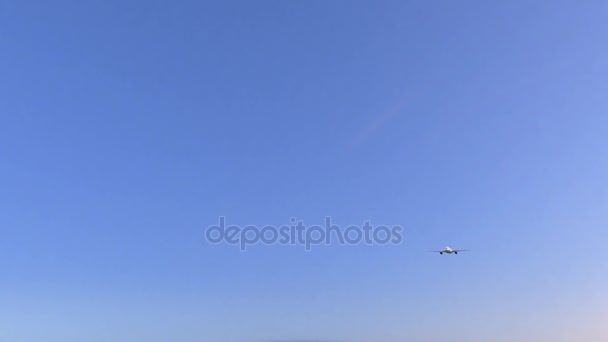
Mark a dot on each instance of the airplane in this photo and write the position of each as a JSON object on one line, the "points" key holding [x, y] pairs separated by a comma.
{"points": [[450, 251]]}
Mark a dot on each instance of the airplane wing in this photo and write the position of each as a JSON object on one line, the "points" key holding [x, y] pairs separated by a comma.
{"points": [[461, 250], [436, 251]]}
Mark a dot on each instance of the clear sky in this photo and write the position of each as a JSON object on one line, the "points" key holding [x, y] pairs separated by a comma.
{"points": [[128, 127]]}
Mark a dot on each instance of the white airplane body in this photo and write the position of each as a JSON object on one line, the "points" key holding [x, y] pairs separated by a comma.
{"points": [[449, 250]]}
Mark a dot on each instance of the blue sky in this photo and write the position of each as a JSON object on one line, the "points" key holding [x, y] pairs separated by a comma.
{"points": [[128, 127]]}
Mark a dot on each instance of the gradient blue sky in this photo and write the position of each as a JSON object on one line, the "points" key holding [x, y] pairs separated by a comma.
{"points": [[128, 127]]}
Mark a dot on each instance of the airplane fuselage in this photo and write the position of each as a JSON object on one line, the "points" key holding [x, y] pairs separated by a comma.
{"points": [[448, 250]]}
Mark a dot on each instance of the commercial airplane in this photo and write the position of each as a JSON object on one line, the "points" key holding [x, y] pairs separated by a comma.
{"points": [[450, 251]]}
